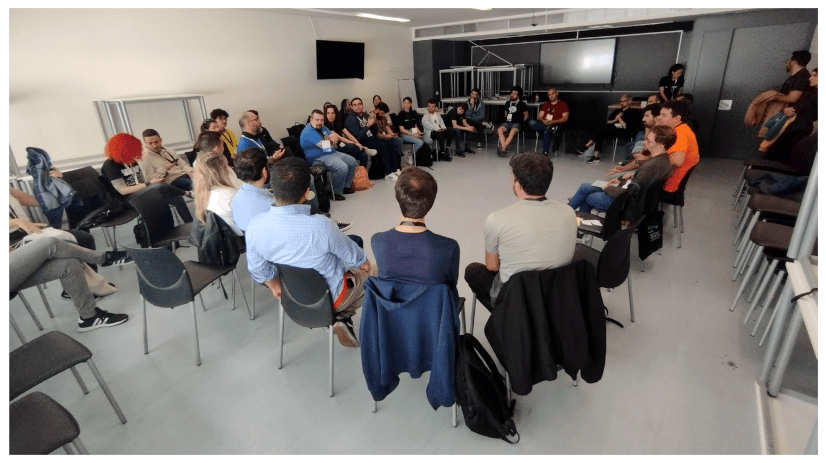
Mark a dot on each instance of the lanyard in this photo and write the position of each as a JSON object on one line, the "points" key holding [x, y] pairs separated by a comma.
{"points": [[260, 145], [536, 199], [227, 138], [413, 224]]}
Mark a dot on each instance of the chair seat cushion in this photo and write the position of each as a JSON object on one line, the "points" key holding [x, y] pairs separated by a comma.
{"points": [[38, 425], [771, 235], [41, 358], [202, 275], [774, 204], [591, 229], [179, 233], [127, 216]]}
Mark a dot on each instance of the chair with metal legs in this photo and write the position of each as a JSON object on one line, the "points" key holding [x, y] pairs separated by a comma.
{"points": [[677, 200], [46, 356], [613, 263], [38, 426], [306, 298]]}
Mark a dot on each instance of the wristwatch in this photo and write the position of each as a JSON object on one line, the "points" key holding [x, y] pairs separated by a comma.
{"points": [[147, 183]]}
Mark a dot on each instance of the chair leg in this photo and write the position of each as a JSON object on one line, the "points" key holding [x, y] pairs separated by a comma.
{"points": [[252, 282], [742, 175], [80, 447], [45, 301], [455, 409], [758, 293], [106, 390], [771, 321], [68, 449], [202, 301], [761, 272], [742, 259], [472, 313], [680, 231], [332, 342], [330, 185], [244, 297], [630, 297], [375, 406], [508, 387], [769, 299], [145, 335], [17, 329], [744, 233], [281, 336], [746, 278], [31, 312], [197, 344], [79, 380], [749, 258]]}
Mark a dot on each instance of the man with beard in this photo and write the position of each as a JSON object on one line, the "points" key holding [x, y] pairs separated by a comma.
{"points": [[251, 135]]}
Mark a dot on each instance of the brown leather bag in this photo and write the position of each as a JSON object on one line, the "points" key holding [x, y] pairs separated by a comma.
{"points": [[360, 179]]}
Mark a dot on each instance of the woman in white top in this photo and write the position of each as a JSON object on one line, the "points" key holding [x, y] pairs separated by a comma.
{"points": [[213, 188]]}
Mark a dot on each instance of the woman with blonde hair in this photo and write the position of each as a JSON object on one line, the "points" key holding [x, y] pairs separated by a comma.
{"points": [[213, 188]]}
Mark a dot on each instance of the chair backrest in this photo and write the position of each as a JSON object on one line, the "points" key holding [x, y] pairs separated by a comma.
{"points": [[615, 259], [611, 222], [652, 196], [154, 210], [679, 195], [305, 296], [162, 278]]}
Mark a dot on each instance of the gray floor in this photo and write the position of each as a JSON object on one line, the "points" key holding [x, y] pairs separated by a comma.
{"points": [[678, 381]]}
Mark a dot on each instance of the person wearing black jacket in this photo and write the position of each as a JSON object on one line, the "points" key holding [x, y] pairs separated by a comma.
{"points": [[270, 145], [622, 123]]}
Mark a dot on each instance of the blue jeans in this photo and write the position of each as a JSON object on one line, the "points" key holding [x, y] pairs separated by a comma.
{"points": [[386, 152], [589, 196], [354, 151], [341, 166], [183, 182], [460, 135], [416, 141], [547, 134]]}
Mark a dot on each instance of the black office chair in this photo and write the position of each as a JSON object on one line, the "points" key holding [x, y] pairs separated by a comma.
{"points": [[609, 224], [158, 220], [38, 426], [46, 356], [613, 264], [165, 281], [677, 199], [306, 298]]}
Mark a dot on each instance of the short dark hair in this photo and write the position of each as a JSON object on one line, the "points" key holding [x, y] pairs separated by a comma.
{"points": [[205, 125], [208, 141], [518, 90], [382, 106], [654, 108], [356, 98], [407, 98], [432, 101], [687, 96], [462, 105], [659, 98], [150, 133], [533, 171], [249, 163], [289, 178], [316, 111], [218, 112], [476, 90], [664, 135], [678, 108], [415, 192], [676, 67], [801, 57]]}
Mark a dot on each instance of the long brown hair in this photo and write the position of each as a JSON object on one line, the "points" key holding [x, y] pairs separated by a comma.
{"points": [[211, 171]]}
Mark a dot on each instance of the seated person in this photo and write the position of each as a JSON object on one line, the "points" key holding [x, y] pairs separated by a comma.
{"points": [[271, 146], [622, 123], [160, 161], [347, 142], [318, 143], [123, 170], [515, 112], [476, 115], [227, 136], [385, 129], [210, 125], [657, 142], [435, 129], [410, 128], [287, 234], [461, 129], [364, 127], [252, 136], [214, 190], [551, 115], [690, 120], [649, 115], [48, 259], [534, 233], [410, 253], [655, 98]]}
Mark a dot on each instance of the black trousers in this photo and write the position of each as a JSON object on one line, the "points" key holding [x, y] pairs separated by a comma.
{"points": [[441, 137], [480, 280], [608, 132]]}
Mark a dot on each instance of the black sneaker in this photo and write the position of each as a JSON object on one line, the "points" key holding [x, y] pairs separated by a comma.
{"points": [[445, 157], [116, 257], [469, 151], [65, 295], [102, 319], [459, 154], [593, 160]]}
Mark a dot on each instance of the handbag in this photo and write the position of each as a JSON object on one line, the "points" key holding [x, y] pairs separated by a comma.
{"points": [[360, 180]]}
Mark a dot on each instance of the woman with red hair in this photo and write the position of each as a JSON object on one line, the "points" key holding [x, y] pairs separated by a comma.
{"points": [[121, 168]]}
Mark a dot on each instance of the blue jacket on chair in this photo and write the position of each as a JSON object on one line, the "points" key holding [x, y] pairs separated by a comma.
{"points": [[409, 328], [53, 194]]}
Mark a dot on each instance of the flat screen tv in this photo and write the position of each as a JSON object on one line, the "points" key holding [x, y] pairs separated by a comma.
{"points": [[339, 60], [577, 62]]}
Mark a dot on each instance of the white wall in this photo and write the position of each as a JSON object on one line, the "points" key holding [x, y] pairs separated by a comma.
{"points": [[60, 61]]}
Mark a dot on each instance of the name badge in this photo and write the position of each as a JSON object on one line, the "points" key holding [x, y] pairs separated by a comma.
{"points": [[325, 145], [617, 125], [414, 130], [341, 144], [548, 116], [509, 117]]}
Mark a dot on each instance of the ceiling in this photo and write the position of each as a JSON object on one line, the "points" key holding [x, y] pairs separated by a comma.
{"points": [[418, 16]]}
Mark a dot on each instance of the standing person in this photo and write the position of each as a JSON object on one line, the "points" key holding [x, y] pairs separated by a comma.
{"points": [[364, 128], [515, 112], [461, 129], [214, 190], [435, 129], [623, 122], [476, 115], [160, 161], [318, 143], [534, 233], [793, 87], [551, 115], [804, 112], [347, 142], [672, 85], [410, 127], [227, 136]]}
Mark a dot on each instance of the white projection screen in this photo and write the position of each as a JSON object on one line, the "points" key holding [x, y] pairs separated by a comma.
{"points": [[577, 62]]}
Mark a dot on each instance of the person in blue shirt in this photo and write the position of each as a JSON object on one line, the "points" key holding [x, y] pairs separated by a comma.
{"points": [[318, 143], [410, 253], [287, 234]]}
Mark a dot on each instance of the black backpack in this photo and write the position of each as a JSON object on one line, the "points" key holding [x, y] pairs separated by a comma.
{"points": [[481, 392], [106, 204], [216, 242], [424, 156]]}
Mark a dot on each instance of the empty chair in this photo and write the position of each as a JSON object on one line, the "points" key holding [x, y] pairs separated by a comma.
{"points": [[165, 281], [305, 297], [158, 220], [613, 263], [609, 224], [46, 356], [38, 426], [677, 199]]}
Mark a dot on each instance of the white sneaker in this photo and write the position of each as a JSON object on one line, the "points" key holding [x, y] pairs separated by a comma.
{"points": [[398, 172], [391, 176], [370, 152], [478, 145], [410, 160]]}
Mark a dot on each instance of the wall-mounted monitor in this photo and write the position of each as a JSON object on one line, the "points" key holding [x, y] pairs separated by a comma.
{"points": [[339, 60], [577, 62]]}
